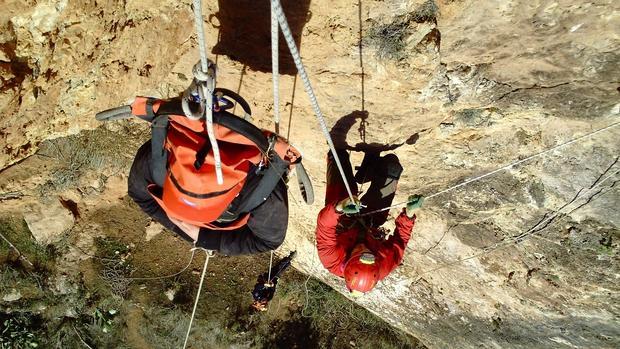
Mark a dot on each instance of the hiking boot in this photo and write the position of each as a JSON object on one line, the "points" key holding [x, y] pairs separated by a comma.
{"points": [[392, 166]]}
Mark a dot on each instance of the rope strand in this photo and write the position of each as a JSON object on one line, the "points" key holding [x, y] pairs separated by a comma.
{"points": [[275, 69], [286, 31], [207, 88], [200, 32], [521, 237], [20, 255], [191, 259], [202, 279], [569, 142], [270, 264]]}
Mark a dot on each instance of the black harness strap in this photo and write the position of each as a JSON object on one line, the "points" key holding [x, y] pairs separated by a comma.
{"points": [[149, 108], [257, 188], [159, 154], [201, 155]]}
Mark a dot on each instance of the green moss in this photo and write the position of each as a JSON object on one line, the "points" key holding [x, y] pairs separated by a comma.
{"points": [[16, 231]]}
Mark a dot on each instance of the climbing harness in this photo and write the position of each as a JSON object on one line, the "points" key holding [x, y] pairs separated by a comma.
{"points": [[266, 283], [505, 167], [208, 254]]}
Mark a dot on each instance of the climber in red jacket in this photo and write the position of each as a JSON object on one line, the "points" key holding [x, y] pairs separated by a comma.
{"points": [[353, 247]]}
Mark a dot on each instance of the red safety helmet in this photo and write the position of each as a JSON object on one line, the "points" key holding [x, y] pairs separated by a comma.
{"points": [[361, 273]]}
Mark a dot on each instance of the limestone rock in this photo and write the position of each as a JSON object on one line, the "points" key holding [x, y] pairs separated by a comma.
{"points": [[454, 88], [153, 229], [170, 293], [47, 221], [12, 296]]}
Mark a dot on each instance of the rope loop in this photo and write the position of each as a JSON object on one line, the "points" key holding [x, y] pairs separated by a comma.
{"points": [[205, 76]]}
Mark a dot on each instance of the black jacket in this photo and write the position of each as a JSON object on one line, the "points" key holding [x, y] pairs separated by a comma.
{"points": [[264, 231]]}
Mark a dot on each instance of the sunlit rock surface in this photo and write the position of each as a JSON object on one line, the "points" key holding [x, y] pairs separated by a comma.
{"points": [[455, 88]]}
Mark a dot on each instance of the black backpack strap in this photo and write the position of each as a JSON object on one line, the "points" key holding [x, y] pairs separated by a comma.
{"points": [[159, 154], [257, 188], [305, 185], [201, 155], [235, 97]]}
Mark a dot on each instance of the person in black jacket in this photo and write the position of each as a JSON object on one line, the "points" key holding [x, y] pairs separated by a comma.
{"points": [[264, 231]]}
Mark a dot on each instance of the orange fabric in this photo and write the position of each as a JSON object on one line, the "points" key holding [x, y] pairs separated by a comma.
{"points": [[201, 200], [184, 212], [335, 245], [184, 139], [138, 107], [283, 148]]}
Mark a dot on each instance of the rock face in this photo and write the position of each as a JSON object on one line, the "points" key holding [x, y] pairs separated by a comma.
{"points": [[47, 220], [456, 88]]}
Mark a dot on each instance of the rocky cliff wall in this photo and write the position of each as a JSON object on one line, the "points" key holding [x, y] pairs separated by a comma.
{"points": [[454, 88]]}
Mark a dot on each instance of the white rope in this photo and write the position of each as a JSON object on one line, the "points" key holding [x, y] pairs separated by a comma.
{"points": [[541, 153], [202, 279], [80, 337], [523, 236], [207, 88], [286, 31], [275, 69], [270, 264], [204, 63]]}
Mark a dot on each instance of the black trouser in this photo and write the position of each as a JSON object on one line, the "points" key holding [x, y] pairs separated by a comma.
{"points": [[383, 173]]}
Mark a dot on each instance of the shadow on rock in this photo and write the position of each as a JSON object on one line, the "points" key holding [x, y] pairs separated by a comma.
{"points": [[245, 32], [344, 125]]}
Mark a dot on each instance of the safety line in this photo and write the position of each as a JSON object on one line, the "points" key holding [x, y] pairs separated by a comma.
{"points": [[275, 69], [523, 236], [286, 31], [19, 253], [207, 90], [499, 169], [270, 264], [202, 279], [204, 63]]}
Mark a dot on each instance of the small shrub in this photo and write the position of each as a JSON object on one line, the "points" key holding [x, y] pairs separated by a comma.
{"points": [[427, 12], [389, 40], [94, 150], [19, 331]]}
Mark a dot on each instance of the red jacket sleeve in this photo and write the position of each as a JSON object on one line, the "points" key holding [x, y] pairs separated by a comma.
{"points": [[393, 249], [331, 254]]}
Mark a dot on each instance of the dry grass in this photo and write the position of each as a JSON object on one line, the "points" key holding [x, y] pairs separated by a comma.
{"points": [[390, 39]]}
